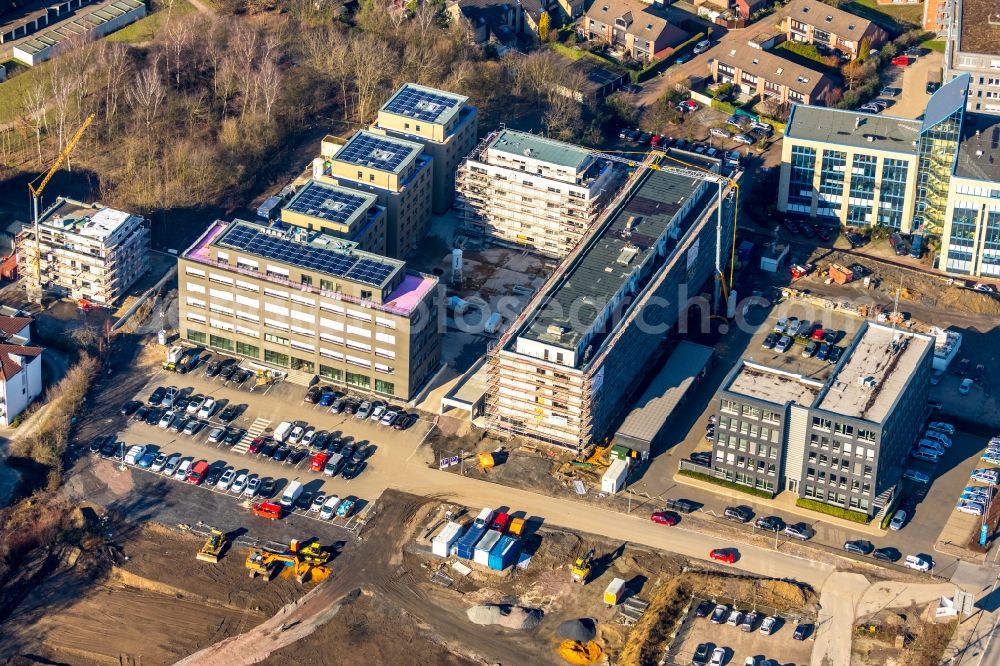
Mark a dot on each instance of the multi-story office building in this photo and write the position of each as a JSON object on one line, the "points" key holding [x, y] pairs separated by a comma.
{"points": [[87, 251], [760, 73], [395, 170], [564, 370], [522, 189], [349, 214], [443, 122], [814, 22], [836, 435], [973, 47], [306, 302]]}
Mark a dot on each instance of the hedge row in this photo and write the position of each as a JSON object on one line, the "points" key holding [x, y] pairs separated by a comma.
{"points": [[756, 492], [660, 65], [830, 510]]}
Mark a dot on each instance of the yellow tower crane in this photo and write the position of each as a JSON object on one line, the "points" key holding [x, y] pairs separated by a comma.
{"points": [[36, 193]]}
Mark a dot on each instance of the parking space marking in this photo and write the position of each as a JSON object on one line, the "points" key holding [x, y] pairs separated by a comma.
{"points": [[258, 426]]}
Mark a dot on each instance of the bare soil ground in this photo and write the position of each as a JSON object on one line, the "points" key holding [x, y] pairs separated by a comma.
{"points": [[901, 637]]}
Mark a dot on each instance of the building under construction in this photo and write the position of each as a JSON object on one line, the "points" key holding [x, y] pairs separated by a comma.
{"points": [[84, 251], [568, 367], [528, 191]]}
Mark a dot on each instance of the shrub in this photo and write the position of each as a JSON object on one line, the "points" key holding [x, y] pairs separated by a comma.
{"points": [[830, 510], [756, 492]]}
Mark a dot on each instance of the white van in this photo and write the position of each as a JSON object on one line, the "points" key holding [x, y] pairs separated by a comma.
{"points": [[483, 519], [291, 494], [134, 453], [281, 432], [333, 465], [183, 469], [329, 509]]}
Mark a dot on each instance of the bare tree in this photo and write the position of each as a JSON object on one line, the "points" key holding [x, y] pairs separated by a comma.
{"points": [[33, 100], [177, 41], [269, 77], [116, 67], [371, 59], [146, 93]]}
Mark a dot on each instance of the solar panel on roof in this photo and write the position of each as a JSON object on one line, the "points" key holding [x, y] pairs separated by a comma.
{"points": [[420, 104], [374, 152], [330, 261], [326, 203]]}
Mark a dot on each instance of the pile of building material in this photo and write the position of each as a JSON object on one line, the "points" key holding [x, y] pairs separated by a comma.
{"points": [[581, 630], [510, 617]]}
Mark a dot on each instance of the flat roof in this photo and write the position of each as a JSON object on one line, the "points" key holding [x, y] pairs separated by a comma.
{"points": [[81, 25], [331, 203], [841, 128], [376, 151], [316, 252], [779, 387], [426, 104], [979, 148], [980, 31], [87, 220], [664, 393], [877, 369], [611, 259], [471, 387], [524, 144]]}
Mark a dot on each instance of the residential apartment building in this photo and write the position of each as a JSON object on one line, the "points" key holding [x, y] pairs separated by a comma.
{"points": [[337, 211], [20, 365], [396, 171], [521, 189], [87, 251], [565, 370], [307, 302], [814, 22], [443, 122], [973, 47], [837, 435], [758, 73], [640, 30]]}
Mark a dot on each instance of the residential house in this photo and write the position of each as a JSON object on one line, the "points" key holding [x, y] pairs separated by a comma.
{"points": [[814, 22], [20, 365], [768, 75], [641, 31]]}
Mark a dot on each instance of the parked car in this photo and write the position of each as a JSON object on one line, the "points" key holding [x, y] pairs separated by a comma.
{"points": [[784, 344], [749, 621], [886, 554], [810, 349], [768, 625], [734, 618], [702, 46], [720, 614], [195, 403], [859, 547], [802, 631], [915, 476], [740, 514], [770, 523], [898, 520], [703, 609], [718, 656], [156, 397], [329, 507], [941, 426], [744, 139], [217, 435], [158, 463], [208, 408], [770, 341], [799, 531], [918, 562], [701, 655], [229, 414], [172, 464], [965, 386], [240, 483], [719, 132]]}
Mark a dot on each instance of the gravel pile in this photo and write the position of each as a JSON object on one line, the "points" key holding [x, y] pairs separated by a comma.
{"points": [[581, 630], [511, 617]]}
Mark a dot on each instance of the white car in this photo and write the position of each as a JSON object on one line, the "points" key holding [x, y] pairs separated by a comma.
{"points": [[166, 419], [195, 404], [734, 618], [767, 626], [925, 455], [985, 476], [317, 504], [917, 562], [898, 520], [226, 479], [171, 465], [941, 426], [974, 508], [329, 509], [702, 46], [718, 656], [295, 436], [780, 325], [965, 386], [158, 463], [182, 470], [376, 414], [216, 435], [207, 408], [309, 436], [169, 397], [240, 483], [253, 485]]}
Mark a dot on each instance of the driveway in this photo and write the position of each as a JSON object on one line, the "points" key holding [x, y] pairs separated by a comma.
{"points": [[913, 80]]}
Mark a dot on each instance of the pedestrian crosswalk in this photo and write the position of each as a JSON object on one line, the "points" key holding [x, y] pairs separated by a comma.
{"points": [[258, 426]]}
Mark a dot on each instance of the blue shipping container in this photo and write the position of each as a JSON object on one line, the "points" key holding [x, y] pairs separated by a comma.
{"points": [[466, 546], [505, 552]]}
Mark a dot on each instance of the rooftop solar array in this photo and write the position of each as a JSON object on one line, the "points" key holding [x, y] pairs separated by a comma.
{"points": [[375, 151], [421, 104], [333, 262], [328, 203]]}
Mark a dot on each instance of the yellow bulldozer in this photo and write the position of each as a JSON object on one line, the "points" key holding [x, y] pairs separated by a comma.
{"points": [[581, 567], [213, 547], [306, 561]]}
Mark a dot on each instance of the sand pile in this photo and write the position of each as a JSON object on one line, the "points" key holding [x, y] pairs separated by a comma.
{"points": [[511, 617]]}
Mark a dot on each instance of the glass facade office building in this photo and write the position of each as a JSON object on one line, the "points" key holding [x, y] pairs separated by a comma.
{"points": [[937, 150]]}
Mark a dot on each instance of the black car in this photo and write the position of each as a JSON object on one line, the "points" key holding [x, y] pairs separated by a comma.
{"points": [[227, 371], [703, 458], [97, 443], [156, 397], [140, 414], [771, 524], [321, 440], [213, 369], [887, 554], [353, 468], [802, 631], [742, 514], [305, 499], [229, 413], [338, 405], [859, 547], [281, 454], [404, 421], [312, 395], [703, 609], [348, 451], [296, 456], [701, 654], [268, 449], [350, 406], [130, 407], [153, 417], [108, 447], [213, 475], [335, 445], [770, 341], [856, 240], [266, 489], [234, 436], [834, 354], [182, 402]]}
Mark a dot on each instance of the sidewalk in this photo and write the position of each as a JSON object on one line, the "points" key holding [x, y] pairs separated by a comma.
{"points": [[784, 502]]}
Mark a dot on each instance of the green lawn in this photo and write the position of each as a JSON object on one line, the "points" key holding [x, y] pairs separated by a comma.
{"points": [[904, 16], [12, 90], [145, 29], [934, 45]]}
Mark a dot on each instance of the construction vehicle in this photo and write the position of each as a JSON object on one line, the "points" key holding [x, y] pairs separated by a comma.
{"points": [[306, 561], [581, 567], [173, 356], [213, 547]]}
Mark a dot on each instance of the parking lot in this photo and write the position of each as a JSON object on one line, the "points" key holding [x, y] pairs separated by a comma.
{"points": [[912, 80], [739, 644]]}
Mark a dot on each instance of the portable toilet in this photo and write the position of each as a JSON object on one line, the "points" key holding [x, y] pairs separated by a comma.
{"points": [[614, 479], [442, 543], [505, 553], [613, 594], [483, 548]]}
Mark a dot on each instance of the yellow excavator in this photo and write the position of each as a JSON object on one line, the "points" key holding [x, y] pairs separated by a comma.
{"points": [[581, 568], [307, 562], [213, 547]]}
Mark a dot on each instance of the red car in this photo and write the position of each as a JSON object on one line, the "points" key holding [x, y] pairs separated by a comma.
{"points": [[319, 461], [901, 60], [256, 445], [654, 141], [664, 518], [500, 522], [823, 234], [817, 335], [723, 555]]}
